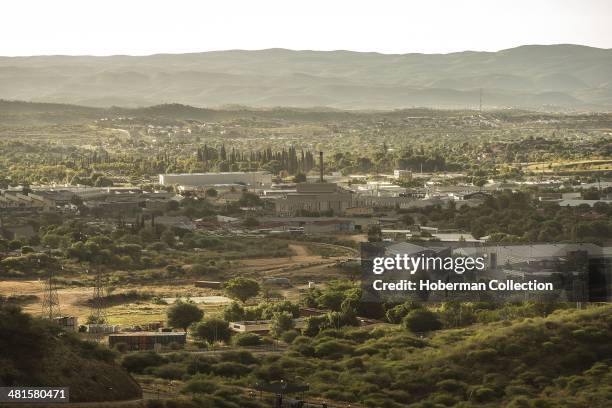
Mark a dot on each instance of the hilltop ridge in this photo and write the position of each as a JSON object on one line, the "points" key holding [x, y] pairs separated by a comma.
{"points": [[563, 76]]}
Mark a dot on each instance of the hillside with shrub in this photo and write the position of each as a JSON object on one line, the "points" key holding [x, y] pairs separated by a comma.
{"points": [[35, 352], [561, 360]]}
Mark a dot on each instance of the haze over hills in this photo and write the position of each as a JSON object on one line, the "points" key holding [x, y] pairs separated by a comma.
{"points": [[538, 76]]}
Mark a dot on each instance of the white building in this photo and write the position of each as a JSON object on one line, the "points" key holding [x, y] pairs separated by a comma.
{"points": [[402, 175], [256, 178]]}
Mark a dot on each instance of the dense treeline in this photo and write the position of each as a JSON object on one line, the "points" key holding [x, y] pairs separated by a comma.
{"points": [[273, 161]]}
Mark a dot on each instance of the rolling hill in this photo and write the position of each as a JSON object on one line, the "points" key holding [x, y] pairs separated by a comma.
{"points": [[36, 353], [534, 76]]}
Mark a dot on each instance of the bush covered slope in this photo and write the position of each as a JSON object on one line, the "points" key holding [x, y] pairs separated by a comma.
{"points": [[563, 360], [34, 352]]}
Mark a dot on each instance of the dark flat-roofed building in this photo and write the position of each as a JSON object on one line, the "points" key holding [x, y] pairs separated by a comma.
{"points": [[147, 340]]}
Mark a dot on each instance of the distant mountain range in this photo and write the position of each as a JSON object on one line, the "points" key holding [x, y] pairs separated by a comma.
{"points": [[550, 77]]}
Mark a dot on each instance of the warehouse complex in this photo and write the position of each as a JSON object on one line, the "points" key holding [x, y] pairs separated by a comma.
{"points": [[254, 179]]}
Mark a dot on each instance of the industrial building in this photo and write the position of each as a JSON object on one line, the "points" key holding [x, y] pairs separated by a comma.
{"points": [[316, 198], [19, 202], [147, 340], [254, 179]]}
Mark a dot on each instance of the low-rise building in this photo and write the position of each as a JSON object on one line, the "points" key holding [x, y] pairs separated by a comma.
{"points": [[68, 323], [261, 326], [16, 202], [148, 340], [329, 226]]}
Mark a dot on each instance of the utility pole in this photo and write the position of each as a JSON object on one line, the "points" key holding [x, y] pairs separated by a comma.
{"points": [[480, 106]]}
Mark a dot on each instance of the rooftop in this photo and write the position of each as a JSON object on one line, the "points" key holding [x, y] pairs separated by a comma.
{"points": [[142, 333]]}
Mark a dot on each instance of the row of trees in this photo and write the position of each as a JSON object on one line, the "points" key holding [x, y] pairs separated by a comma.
{"points": [[286, 159]]}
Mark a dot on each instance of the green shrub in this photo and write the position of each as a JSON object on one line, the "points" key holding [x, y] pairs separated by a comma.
{"points": [[354, 362], [200, 364], [247, 339], [289, 336], [170, 371], [199, 386], [243, 357], [212, 330], [272, 372], [137, 362], [305, 349], [519, 402], [333, 349], [231, 369], [484, 394], [482, 356], [421, 320], [452, 386]]}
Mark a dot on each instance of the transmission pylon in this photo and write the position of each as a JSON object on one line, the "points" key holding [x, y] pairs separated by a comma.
{"points": [[50, 303], [98, 311]]}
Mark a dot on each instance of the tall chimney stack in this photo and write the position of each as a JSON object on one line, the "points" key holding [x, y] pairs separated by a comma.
{"points": [[321, 166]]}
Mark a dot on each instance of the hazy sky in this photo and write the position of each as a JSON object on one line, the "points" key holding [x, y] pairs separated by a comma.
{"points": [[140, 27]]}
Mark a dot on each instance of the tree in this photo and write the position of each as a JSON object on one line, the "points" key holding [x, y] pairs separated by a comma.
{"points": [[103, 182], [167, 237], [247, 339], [249, 200], [397, 313], [234, 312], [374, 234], [480, 182], [250, 222], [299, 178], [91, 319], [184, 314], [172, 205], [314, 324], [281, 322], [407, 219], [421, 320], [241, 289], [213, 330]]}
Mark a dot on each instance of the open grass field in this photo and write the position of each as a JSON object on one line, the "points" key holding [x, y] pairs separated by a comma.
{"points": [[302, 267]]}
